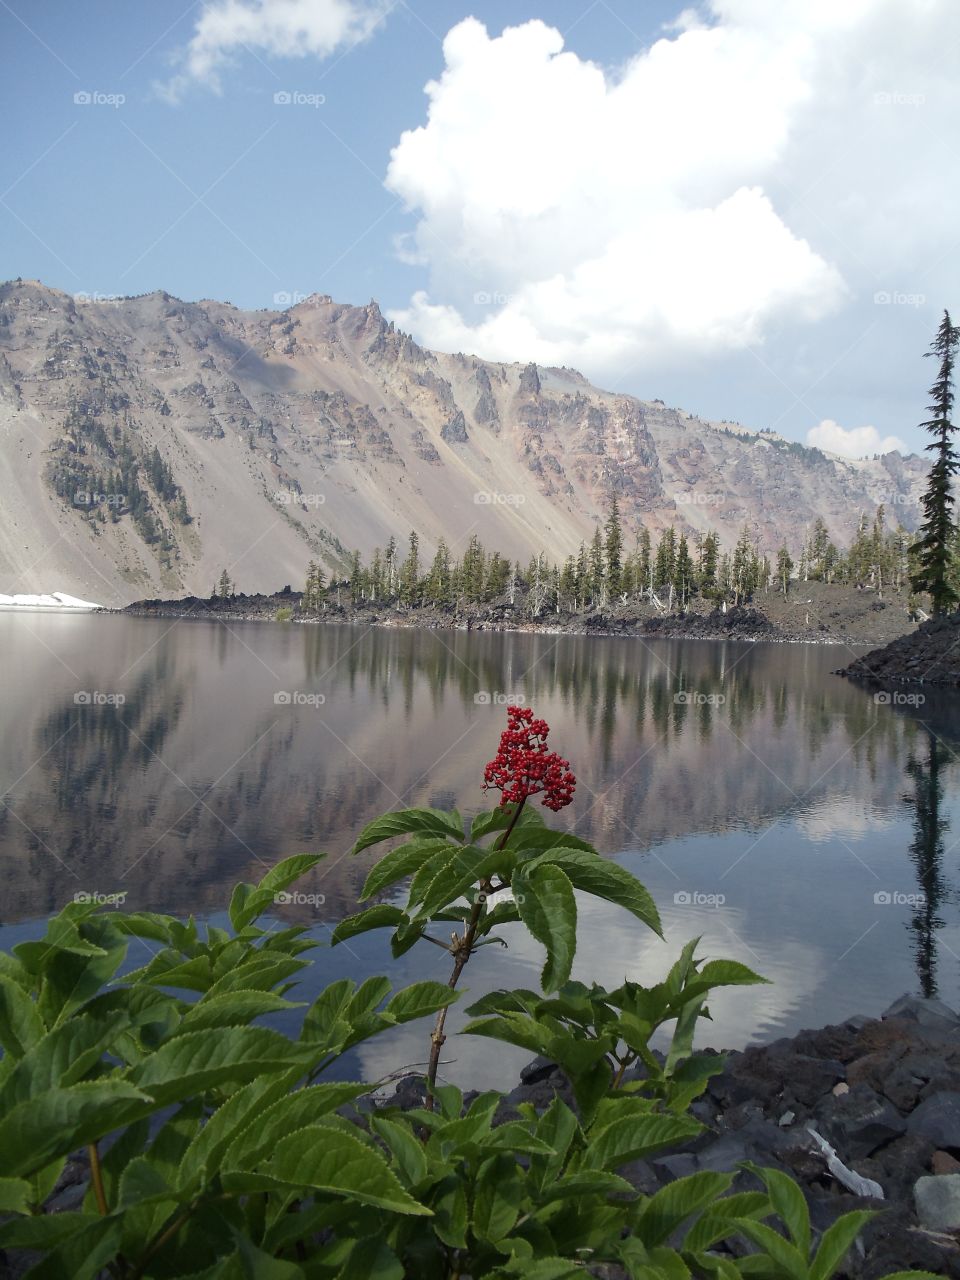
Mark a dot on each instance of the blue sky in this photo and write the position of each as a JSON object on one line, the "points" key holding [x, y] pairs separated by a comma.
{"points": [[753, 219]]}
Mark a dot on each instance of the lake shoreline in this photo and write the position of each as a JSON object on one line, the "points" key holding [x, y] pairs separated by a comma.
{"points": [[747, 623]]}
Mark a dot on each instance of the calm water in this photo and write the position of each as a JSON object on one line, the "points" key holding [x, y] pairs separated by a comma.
{"points": [[779, 812]]}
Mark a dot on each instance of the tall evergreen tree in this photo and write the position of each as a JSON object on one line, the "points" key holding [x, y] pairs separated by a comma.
{"points": [[939, 528], [614, 549]]}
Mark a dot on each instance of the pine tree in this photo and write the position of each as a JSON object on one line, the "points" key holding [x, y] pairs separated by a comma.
{"points": [[597, 582], [410, 572], [614, 549], [225, 587], [666, 559], [644, 560], [784, 568], [683, 572], [709, 558], [938, 530], [437, 588]]}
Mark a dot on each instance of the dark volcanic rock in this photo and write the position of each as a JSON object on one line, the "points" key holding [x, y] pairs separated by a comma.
{"points": [[859, 1122], [938, 1118]]}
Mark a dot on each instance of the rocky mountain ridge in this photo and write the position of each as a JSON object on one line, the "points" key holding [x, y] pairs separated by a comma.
{"points": [[147, 443]]}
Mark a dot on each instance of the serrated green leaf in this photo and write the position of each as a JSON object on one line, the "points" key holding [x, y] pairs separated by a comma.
{"points": [[20, 1024], [61, 1057], [371, 1259], [59, 1121], [197, 1061], [407, 1151], [663, 1213], [330, 1160], [836, 1242], [789, 1202], [400, 863], [382, 916], [592, 874], [427, 822], [786, 1256], [549, 910], [420, 999], [233, 1009], [629, 1138]]}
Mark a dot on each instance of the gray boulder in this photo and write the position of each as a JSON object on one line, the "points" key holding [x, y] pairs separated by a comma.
{"points": [[938, 1202]]}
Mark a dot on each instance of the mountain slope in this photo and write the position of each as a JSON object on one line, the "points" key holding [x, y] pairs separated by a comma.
{"points": [[148, 443]]}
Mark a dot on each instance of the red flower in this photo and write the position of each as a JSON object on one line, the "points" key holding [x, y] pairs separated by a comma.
{"points": [[524, 767]]}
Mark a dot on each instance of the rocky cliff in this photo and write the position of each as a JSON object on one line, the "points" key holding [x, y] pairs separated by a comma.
{"points": [[148, 443]]}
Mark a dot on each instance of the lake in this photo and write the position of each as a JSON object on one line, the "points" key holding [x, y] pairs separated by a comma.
{"points": [[795, 821]]}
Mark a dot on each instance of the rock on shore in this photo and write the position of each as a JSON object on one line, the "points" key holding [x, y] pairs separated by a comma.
{"points": [[931, 655]]}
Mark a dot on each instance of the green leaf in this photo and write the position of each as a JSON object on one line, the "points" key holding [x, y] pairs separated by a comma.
{"points": [[716, 1222], [379, 917], [61, 1120], [786, 1256], [14, 1195], [789, 1202], [450, 1214], [549, 910], [371, 1259], [327, 1159], [419, 1000], [407, 1152], [285, 1116], [431, 822], [630, 1138], [194, 1062], [674, 1203], [455, 875], [400, 863], [591, 1182], [837, 1241], [290, 869], [232, 1009], [61, 1057], [20, 1024], [543, 1269], [497, 1198], [602, 878]]}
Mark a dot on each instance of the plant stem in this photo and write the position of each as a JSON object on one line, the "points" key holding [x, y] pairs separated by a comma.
{"points": [[157, 1243], [96, 1178], [461, 949]]}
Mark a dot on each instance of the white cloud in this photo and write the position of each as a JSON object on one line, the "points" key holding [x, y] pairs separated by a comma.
{"points": [[852, 442], [729, 180], [278, 28]]}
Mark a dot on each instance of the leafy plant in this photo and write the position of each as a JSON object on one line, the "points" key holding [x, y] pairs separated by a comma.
{"points": [[216, 1152]]}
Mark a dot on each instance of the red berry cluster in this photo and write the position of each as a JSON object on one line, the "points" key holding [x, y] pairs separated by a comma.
{"points": [[524, 767]]}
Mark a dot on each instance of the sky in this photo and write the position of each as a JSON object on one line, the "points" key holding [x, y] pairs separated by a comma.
{"points": [[746, 209]]}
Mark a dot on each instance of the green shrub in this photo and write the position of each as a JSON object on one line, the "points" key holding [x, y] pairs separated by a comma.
{"points": [[217, 1151]]}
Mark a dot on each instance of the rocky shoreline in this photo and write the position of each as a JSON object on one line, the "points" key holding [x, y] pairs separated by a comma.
{"points": [[929, 655], [789, 624], [863, 1115]]}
